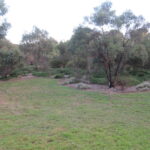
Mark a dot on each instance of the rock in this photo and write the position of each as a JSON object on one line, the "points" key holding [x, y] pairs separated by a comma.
{"points": [[143, 86], [82, 86], [58, 76], [84, 79], [66, 76], [70, 81]]}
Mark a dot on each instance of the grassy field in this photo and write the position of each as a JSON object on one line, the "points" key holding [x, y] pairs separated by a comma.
{"points": [[39, 114]]}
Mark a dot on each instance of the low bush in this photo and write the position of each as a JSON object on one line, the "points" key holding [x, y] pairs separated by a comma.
{"points": [[66, 71], [60, 72], [71, 80], [97, 80], [24, 70], [142, 75], [130, 80], [40, 74], [59, 61], [9, 61], [56, 63], [58, 76]]}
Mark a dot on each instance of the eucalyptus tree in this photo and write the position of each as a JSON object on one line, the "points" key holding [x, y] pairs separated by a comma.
{"points": [[10, 56], [4, 25], [79, 48], [9, 61], [113, 39], [38, 48]]}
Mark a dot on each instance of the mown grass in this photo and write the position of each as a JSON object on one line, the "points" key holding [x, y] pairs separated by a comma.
{"points": [[39, 114]]}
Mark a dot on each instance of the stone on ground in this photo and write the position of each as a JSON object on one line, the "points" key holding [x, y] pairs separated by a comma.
{"points": [[82, 86], [145, 86], [70, 81]]}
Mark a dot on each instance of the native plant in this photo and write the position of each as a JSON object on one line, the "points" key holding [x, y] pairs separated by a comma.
{"points": [[113, 40]]}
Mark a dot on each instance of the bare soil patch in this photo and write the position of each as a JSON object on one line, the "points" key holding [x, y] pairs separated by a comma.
{"points": [[29, 76], [104, 88]]}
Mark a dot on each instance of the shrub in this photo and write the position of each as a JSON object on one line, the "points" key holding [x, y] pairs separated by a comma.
{"points": [[71, 80], [60, 72], [56, 63], [57, 76], [9, 61], [130, 80], [24, 70], [142, 75], [40, 74], [59, 61], [96, 80], [65, 71]]}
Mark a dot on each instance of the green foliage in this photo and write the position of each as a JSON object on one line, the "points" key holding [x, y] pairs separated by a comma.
{"points": [[119, 38], [97, 80], [40, 74], [38, 48], [79, 41], [64, 71], [63, 58], [142, 75], [59, 61], [103, 14], [78, 46], [78, 62], [4, 26], [116, 42], [9, 61], [18, 72], [10, 57], [129, 80], [58, 76], [98, 77], [61, 72], [56, 62], [23, 70]]}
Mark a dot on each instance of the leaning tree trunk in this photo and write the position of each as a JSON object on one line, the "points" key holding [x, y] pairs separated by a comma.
{"points": [[109, 77], [111, 84]]}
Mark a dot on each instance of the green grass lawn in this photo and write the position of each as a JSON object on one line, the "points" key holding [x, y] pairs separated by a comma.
{"points": [[39, 114]]}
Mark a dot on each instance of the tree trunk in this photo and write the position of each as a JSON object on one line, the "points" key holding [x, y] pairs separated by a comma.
{"points": [[111, 84]]}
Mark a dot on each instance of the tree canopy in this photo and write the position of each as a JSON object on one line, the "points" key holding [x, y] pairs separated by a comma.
{"points": [[116, 38], [4, 25]]}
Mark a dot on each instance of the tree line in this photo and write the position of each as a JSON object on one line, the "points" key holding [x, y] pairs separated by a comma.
{"points": [[114, 46]]}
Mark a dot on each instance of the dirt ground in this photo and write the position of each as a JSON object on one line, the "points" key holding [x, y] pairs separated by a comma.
{"points": [[29, 76], [104, 88], [93, 87]]}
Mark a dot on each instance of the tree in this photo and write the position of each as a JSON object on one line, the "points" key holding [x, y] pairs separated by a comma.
{"points": [[113, 39], [38, 48], [79, 48], [147, 45], [9, 61], [4, 25], [139, 54], [10, 56], [61, 60]]}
